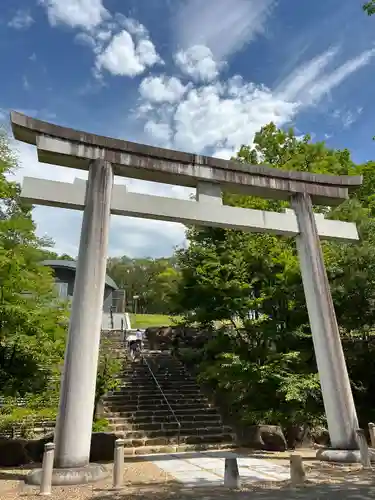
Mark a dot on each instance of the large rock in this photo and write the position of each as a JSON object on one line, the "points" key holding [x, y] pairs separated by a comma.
{"points": [[299, 436], [167, 337], [264, 437], [305, 437], [320, 436]]}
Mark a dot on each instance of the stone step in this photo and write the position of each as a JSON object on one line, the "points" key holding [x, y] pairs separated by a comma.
{"points": [[157, 399], [200, 420], [159, 403], [150, 384], [166, 424], [117, 406], [152, 390], [142, 377], [161, 381], [186, 427], [162, 413], [228, 439], [173, 448], [150, 393], [170, 433]]}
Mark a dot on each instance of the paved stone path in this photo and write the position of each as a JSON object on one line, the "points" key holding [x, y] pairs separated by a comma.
{"points": [[207, 468]]}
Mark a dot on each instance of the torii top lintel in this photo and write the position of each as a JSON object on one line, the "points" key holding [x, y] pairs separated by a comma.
{"points": [[72, 148]]}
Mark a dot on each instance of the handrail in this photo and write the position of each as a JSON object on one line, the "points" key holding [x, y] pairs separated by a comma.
{"points": [[165, 397]]}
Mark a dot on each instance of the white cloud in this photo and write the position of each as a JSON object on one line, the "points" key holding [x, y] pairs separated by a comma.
{"points": [[25, 83], [347, 117], [299, 81], [219, 117], [324, 86], [21, 20], [222, 115], [125, 57], [85, 39], [224, 26], [310, 82], [161, 133], [147, 54], [132, 25], [159, 89], [198, 63], [85, 14]]}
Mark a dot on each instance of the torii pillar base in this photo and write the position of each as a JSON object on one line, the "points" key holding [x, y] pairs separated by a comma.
{"points": [[90, 473]]}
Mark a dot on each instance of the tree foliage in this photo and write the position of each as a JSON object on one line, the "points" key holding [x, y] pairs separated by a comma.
{"points": [[151, 280], [264, 365], [32, 337], [369, 7]]}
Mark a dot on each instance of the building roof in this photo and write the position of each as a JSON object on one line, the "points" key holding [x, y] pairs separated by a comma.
{"points": [[72, 264]]}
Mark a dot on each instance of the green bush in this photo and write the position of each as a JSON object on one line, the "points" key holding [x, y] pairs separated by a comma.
{"points": [[24, 420], [190, 356], [100, 425]]}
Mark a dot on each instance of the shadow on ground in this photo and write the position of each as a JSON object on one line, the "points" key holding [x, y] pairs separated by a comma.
{"points": [[173, 491], [11, 476]]}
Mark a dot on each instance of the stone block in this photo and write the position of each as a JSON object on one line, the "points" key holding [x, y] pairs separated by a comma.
{"points": [[158, 441], [102, 446], [13, 452]]}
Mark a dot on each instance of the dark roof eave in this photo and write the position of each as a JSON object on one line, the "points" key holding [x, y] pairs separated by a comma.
{"points": [[72, 264]]}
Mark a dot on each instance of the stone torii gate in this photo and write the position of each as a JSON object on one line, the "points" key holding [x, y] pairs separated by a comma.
{"points": [[106, 157]]}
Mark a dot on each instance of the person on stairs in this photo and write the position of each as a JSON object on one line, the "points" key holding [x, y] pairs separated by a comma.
{"points": [[135, 344]]}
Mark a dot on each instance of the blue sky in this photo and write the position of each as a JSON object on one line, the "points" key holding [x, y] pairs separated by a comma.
{"points": [[195, 75]]}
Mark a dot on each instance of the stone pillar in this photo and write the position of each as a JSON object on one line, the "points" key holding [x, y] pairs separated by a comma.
{"points": [[74, 422], [207, 192], [334, 380]]}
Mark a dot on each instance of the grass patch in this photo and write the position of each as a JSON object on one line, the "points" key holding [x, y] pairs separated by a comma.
{"points": [[150, 320]]}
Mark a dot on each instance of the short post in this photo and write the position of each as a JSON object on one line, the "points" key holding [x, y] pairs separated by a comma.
{"points": [[371, 429], [297, 469], [47, 469], [118, 465], [363, 449], [231, 474]]}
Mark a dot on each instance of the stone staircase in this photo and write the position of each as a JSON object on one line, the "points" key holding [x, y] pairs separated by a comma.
{"points": [[138, 410]]}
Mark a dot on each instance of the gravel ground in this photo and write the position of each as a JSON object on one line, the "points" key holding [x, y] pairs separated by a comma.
{"points": [[140, 473], [145, 481]]}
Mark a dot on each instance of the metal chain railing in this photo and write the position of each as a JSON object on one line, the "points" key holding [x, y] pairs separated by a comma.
{"points": [[164, 396]]}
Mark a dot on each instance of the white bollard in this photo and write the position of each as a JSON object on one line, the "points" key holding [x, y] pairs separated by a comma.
{"points": [[118, 465], [231, 474], [363, 449], [297, 469], [371, 429], [47, 469]]}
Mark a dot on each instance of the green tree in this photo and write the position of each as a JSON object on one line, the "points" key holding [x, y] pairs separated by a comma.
{"points": [[369, 7], [265, 363], [150, 279], [32, 335], [107, 376]]}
